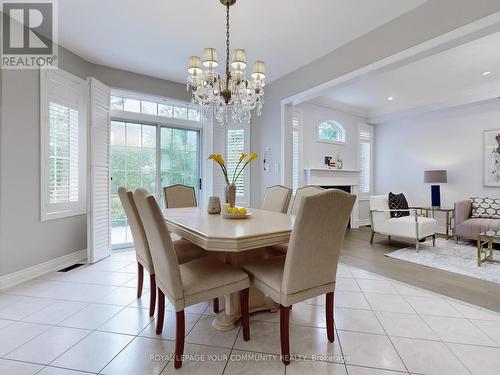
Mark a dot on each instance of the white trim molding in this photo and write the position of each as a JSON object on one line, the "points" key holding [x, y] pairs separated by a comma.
{"points": [[21, 276]]}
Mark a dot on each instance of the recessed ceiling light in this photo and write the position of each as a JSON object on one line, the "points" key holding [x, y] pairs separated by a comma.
{"points": [[390, 98], [486, 73]]}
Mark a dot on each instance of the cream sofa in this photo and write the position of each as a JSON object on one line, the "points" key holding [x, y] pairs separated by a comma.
{"points": [[413, 226]]}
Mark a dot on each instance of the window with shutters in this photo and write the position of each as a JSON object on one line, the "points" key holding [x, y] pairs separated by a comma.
{"points": [[237, 142], [63, 145], [365, 159], [296, 131]]}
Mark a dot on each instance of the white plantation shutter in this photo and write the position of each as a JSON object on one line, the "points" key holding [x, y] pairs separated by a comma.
{"points": [[365, 159], [235, 147], [99, 216], [63, 144], [237, 142], [296, 121]]}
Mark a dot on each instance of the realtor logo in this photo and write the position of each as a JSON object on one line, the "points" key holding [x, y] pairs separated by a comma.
{"points": [[29, 34]]}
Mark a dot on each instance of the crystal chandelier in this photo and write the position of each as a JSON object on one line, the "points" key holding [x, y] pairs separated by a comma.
{"points": [[232, 95]]}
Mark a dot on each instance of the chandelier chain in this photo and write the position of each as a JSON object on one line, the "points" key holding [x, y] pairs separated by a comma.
{"points": [[227, 39]]}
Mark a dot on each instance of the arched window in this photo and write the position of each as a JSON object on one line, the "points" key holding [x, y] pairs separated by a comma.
{"points": [[331, 131]]}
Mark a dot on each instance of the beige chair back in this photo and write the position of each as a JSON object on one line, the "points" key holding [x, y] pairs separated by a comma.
{"points": [[168, 276], [302, 192], [277, 199], [138, 234], [316, 240], [178, 196]]}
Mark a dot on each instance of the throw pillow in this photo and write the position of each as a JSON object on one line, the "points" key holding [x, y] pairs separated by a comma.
{"points": [[486, 207], [398, 202]]}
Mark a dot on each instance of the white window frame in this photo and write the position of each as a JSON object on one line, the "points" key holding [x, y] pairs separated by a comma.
{"points": [[245, 199], [335, 123], [66, 89], [366, 128]]}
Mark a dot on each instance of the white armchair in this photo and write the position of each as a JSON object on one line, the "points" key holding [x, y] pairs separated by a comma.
{"points": [[413, 226]]}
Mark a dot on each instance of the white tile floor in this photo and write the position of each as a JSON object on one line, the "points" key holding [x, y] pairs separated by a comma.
{"points": [[89, 321]]}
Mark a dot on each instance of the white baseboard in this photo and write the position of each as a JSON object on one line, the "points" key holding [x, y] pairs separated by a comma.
{"points": [[29, 273]]}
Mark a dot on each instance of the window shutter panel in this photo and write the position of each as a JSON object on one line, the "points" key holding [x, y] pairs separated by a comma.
{"points": [[365, 145], [99, 217], [235, 146], [296, 123]]}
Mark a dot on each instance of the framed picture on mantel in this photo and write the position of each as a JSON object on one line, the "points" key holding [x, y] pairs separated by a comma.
{"points": [[491, 158]]}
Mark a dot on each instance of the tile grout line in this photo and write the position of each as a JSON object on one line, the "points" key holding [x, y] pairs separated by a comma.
{"points": [[379, 322]]}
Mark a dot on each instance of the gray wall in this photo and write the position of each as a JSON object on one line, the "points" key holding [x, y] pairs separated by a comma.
{"points": [[431, 19], [451, 140], [24, 240]]}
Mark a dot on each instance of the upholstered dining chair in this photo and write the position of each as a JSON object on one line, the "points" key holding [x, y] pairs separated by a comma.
{"points": [[309, 267], [185, 250], [302, 192], [277, 199], [305, 191], [178, 196], [188, 283]]}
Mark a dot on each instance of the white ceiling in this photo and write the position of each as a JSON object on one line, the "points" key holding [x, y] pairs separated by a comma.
{"points": [[156, 37], [452, 76]]}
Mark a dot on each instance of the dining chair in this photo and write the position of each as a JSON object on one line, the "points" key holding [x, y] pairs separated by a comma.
{"points": [[188, 283], [185, 251], [305, 191], [309, 267], [178, 196], [277, 199]]}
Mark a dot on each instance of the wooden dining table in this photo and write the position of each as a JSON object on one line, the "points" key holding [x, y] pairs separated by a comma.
{"points": [[236, 242]]}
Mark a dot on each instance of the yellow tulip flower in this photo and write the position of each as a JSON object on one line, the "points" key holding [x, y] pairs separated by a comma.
{"points": [[243, 156], [252, 156]]}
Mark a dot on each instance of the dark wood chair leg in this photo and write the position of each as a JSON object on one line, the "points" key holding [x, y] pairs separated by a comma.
{"points": [[284, 333], [161, 311], [245, 318], [179, 338], [371, 238], [152, 294], [215, 302], [140, 279], [329, 317]]}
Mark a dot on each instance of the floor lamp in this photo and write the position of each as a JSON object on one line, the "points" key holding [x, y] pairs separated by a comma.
{"points": [[435, 177]]}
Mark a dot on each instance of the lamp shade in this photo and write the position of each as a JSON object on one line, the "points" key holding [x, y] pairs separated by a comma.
{"points": [[194, 65], [438, 176], [259, 70], [210, 58], [239, 59]]}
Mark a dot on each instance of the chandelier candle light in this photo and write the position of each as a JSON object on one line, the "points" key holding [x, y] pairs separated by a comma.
{"points": [[233, 92]]}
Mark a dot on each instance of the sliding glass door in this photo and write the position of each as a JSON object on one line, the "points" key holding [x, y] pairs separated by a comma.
{"points": [[149, 156]]}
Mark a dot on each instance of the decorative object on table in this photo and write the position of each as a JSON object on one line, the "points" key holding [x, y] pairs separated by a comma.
{"points": [[491, 158], [233, 92], [340, 163], [230, 190], [435, 177], [398, 202], [236, 213], [225, 208], [327, 161], [213, 205]]}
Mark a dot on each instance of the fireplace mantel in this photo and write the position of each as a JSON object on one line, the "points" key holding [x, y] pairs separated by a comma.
{"points": [[336, 177]]}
